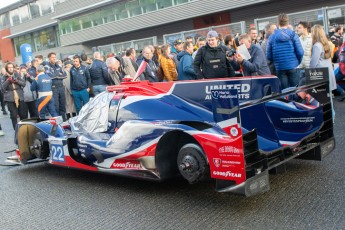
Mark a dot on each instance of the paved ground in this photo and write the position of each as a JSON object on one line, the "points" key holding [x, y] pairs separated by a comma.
{"points": [[309, 196]]}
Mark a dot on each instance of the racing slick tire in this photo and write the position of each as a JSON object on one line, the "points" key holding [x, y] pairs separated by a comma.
{"points": [[192, 163]]}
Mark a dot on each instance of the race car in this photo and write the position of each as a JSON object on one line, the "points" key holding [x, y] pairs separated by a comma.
{"points": [[234, 131]]}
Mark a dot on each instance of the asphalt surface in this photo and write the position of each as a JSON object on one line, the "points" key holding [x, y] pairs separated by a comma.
{"points": [[310, 195]]}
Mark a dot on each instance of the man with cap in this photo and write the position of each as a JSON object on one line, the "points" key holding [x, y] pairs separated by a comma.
{"points": [[43, 85], [178, 47], [211, 60]]}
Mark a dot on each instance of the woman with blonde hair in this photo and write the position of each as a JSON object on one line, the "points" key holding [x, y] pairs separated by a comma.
{"points": [[167, 64], [321, 53], [321, 56]]}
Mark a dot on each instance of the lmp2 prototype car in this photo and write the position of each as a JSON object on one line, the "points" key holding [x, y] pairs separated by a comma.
{"points": [[234, 131]]}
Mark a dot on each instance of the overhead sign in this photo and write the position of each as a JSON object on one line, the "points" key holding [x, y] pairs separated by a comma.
{"points": [[336, 13]]}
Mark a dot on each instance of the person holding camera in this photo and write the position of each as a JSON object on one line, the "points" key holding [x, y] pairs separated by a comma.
{"points": [[257, 64], [211, 60], [13, 85], [29, 96]]}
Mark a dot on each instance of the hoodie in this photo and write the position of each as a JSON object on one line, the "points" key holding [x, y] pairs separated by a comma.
{"points": [[185, 67], [284, 49]]}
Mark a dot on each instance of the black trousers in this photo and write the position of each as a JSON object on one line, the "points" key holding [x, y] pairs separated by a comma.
{"points": [[31, 108], [14, 112], [2, 101]]}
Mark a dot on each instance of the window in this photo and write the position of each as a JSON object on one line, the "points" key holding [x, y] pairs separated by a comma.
{"points": [[85, 22], [45, 39], [57, 1], [120, 11], [4, 20], [164, 3], [24, 13], [133, 8], [18, 41], [34, 10], [108, 15], [46, 6], [148, 5], [177, 2], [14, 15], [75, 24], [96, 18]]}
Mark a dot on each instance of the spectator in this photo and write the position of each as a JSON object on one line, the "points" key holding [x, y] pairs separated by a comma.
{"points": [[338, 35], [269, 30], [147, 66], [113, 69], [43, 85], [32, 69], [3, 107], [210, 61], [167, 64], [12, 84], [70, 107], [185, 68], [99, 74], [156, 54], [306, 42], [39, 58], [321, 53], [283, 45], [80, 83], [253, 33], [200, 43], [229, 41], [84, 61], [131, 67], [29, 96], [55, 72], [189, 39], [256, 65], [178, 47], [341, 73]]}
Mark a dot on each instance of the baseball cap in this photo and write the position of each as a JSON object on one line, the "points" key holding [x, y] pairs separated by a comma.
{"points": [[212, 34], [68, 62], [178, 41]]}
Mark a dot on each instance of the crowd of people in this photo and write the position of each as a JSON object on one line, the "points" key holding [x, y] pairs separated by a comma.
{"points": [[62, 87]]}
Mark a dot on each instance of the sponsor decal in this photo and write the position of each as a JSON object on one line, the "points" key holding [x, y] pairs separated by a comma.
{"points": [[229, 149], [217, 162], [297, 119], [243, 91], [121, 164], [234, 132], [316, 75], [227, 174]]}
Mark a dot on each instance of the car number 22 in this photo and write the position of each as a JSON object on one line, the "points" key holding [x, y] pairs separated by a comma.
{"points": [[57, 153]]}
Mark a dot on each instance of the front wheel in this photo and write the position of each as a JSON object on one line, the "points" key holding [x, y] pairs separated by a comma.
{"points": [[192, 163]]}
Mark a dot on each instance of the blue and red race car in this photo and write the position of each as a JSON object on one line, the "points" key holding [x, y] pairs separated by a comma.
{"points": [[234, 131]]}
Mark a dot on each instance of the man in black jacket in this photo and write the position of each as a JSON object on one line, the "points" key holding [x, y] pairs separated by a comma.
{"points": [[211, 61], [99, 74]]}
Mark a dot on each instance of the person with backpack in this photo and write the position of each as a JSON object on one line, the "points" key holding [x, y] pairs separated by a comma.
{"points": [[211, 60]]}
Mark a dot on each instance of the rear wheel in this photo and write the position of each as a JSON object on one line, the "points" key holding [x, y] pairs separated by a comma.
{"points": [[192, 163]]}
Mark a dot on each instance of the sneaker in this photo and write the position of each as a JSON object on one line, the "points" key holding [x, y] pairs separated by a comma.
{"points": [[2, 133], [4, 112]]}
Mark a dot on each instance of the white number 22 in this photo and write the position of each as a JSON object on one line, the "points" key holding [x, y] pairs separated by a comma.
{"points": [[57, 152]]}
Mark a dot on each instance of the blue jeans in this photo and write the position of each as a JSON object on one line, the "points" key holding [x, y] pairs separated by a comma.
{"points": [[97, 89], [288, 78], [81, 97], [338, 77]]}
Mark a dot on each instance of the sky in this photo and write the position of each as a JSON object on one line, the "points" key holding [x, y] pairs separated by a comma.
{"points": [[4, 3]]}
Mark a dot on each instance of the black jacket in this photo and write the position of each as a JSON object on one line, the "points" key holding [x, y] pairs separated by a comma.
{"points": [[99, 73], [212, 63]]}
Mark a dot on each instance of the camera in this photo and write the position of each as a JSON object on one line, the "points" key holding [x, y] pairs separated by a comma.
{"points": [[231, 53]]}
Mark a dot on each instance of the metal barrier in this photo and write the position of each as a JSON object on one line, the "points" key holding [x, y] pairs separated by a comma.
{"points": [[120, 47], [326, 16], [232, 28]]}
